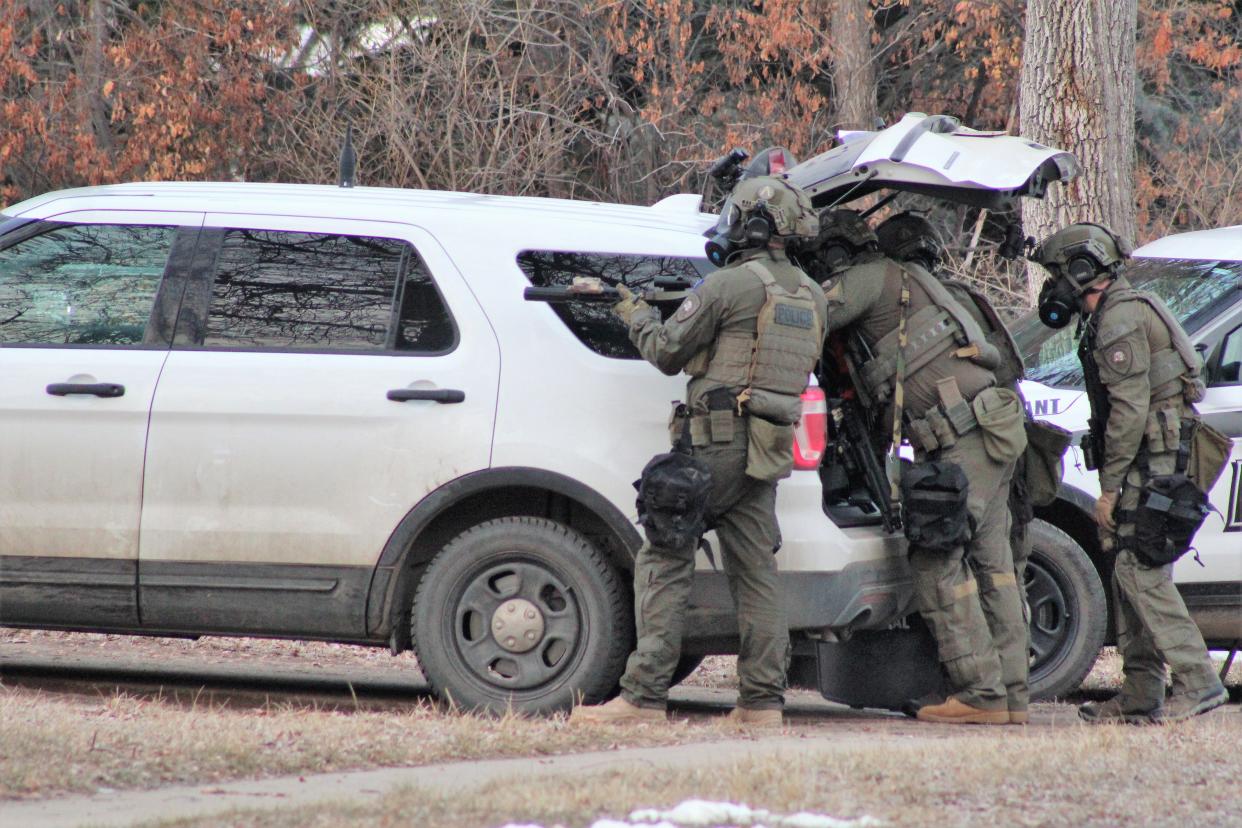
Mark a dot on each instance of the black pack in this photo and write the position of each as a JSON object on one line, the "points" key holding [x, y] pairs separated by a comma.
{"points": [[933, 501], [673, 493], [1171, 509]]}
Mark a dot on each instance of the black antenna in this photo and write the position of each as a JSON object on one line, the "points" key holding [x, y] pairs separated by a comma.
{"points": [[349, 159]]}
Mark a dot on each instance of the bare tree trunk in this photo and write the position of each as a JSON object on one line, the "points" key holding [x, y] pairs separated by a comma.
{"points": [[1077, 93], [93, 103], [853, 69]]}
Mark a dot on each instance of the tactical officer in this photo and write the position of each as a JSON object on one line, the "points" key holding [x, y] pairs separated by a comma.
{"points": [[910, 238], [1143, 378], [749, 336], [929, 364]]}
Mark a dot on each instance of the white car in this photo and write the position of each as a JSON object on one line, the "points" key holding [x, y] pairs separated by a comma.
{"points": [[1199, 276], [317, 412]]}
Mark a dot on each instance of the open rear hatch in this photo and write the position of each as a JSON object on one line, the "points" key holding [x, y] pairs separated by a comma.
{"points": [[935, 156]]}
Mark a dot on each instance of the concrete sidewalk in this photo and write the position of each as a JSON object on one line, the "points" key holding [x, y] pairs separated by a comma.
{"points": [[133, 807]]}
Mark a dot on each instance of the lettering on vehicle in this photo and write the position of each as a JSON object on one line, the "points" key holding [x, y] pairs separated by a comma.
{"points": [[794, 317], [1044, 408], [1233, 514]]}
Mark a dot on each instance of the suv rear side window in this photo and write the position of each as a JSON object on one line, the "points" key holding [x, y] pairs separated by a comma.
{"points": [[324, 292], [82, 284], [593, 322]]}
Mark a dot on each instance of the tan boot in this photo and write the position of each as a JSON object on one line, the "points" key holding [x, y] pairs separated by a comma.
{"points": [[617, 711], [1019, 717], [954, 711], [756, 719]]}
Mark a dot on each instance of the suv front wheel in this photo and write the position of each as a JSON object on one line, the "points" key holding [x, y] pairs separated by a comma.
{"points": [[521, 614]]}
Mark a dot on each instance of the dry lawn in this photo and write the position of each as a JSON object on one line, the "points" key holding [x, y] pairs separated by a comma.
{"points": [[52, 744], [1103, 776]]}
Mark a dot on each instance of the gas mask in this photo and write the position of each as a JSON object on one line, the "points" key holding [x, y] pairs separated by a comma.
{"points": [[1058, 302], [732, 234]]}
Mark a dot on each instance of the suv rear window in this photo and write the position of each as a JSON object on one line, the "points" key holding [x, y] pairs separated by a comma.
{"points": [[324, 292], [593, 322]]}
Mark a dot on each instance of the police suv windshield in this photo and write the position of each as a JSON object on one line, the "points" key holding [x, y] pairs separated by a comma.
{"points": [[1195, 290]]}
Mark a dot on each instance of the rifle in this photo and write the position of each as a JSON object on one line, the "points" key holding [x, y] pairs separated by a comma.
{"points": [[665, 292], [851, 426]]}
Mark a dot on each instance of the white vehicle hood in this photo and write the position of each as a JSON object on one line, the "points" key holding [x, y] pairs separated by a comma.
{"points": [[936, 156]]}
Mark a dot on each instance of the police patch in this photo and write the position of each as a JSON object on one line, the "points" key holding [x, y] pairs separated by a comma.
{"points": [[793, 316], [688, 307], [1119, 357], [833, 292]]}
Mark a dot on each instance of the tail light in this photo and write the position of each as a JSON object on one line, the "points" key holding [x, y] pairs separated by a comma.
{"points": [[776, 162], [811, 430]]}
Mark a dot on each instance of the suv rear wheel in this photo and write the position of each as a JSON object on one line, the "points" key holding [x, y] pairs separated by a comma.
{"points": [[1069, 612], [522, 614]]}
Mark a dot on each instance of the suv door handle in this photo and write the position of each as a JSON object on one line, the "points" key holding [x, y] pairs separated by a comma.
{"points": [[440, 395], [96, 389]]}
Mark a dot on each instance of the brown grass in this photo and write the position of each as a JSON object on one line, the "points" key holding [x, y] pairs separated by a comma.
{"points": [[52, 744], [1182, 774]]}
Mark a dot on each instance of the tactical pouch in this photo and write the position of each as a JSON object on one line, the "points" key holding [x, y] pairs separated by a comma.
{"points": [[673, 494], [1090, 457], [769, 450], [1209, 454], [1171, 509], [1001, 416], [934, 505], [785, 409], [1044, 460]]}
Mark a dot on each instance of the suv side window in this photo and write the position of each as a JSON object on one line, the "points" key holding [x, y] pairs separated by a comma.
{"points": [[593, 322], [82, 284], [324, 292], [1229, 366]]}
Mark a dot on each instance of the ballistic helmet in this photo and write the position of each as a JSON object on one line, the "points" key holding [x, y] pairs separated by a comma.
{"points": [[1082, 254], [758, 210], [909, 236], [788, 207], [848, 226]]}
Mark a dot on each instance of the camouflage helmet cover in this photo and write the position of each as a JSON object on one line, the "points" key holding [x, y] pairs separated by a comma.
{"points": [[908, 236], [848, 225], [1084, 240], [788, 206]]}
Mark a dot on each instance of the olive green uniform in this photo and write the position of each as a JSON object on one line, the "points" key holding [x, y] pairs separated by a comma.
{"points": [[1127, 350], [948, 585], [1015, 658], [713, 337]]}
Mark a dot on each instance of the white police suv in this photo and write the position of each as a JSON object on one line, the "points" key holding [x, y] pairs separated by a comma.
{"points": [[1199, 276], [317, 412]]}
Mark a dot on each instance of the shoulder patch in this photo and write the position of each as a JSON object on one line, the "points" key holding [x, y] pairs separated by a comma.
{"points": [[1119, 357], [833, 291], [688, 307]]}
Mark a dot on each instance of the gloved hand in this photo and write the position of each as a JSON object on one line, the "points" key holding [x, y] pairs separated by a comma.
{"points": [[630, 304], [1104, 508]]}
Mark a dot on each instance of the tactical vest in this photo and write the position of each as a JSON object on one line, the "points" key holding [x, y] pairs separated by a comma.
{"points": [[779, 354], [939, 327], [1011, 368], [1176, 370]]}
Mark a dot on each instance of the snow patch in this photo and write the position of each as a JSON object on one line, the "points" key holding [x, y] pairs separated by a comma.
{"points": [[700, 813]]}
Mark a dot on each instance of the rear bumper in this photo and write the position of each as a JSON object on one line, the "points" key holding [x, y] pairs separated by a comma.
{"points": [[867, 595]]}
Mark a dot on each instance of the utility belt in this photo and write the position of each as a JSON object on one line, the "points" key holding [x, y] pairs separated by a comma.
{"points": [[997, 412], [719, 418]]}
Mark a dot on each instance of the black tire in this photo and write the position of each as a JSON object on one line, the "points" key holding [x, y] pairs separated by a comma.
{"points": [[572, 644], [1069, 612]]}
